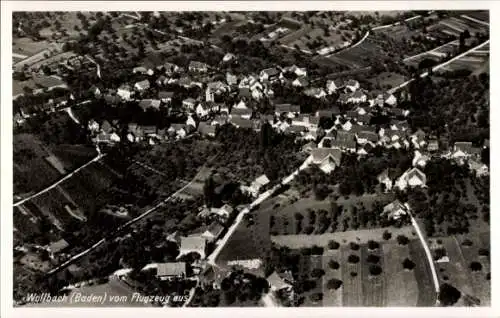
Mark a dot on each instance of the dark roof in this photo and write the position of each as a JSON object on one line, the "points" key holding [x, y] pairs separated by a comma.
{"points": [[241, 111], [325, 113], [343, 143], [287, 108], [165, 94], [271, 71], [47, 81], [295, 129], [242, 123], [464, 146], [58, 246], [244, 92], [206, 129], [320, 154], [197, 64], [370, 136]]}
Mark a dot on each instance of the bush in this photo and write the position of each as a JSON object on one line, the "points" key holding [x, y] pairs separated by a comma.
{"points": [[483, 252], [467, 242], [333, 264], [353, 259], [374, 259], [354, 274], [402, 240], [373, 245], [386, 235], [408, 264], [333, 245], [354, 246], [334, 284], [317, 272], [317, 250], [439, 253], [488, 276], [375, 270], [475, 266], [316, 297], [448, 295]]}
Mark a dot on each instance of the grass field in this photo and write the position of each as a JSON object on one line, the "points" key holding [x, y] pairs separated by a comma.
{"points": [[388, 80], [401, 285], [29, 160], [426, 293], [28, 47]]}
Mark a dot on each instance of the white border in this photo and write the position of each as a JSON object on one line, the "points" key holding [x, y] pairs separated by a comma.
{"points": [[6, 151]]}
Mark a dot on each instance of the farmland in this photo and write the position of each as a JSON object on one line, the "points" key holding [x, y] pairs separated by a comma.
{"points": [[456, 269], [365, 274]]}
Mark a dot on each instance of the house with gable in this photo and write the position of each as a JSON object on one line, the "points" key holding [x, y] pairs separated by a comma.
{"points": [[171, 271], [300, 82], [212, 232], [189, 103], [326, 159], [269, 74], [199, 67], [287, 110], [315, 92], [141, 86], [256, 186], [395, 210], [352, 85], [333, 85], [125, 92], [388, 177], [202, 110], [412, 178], [193, 244], [276, 283], [419, 159]]}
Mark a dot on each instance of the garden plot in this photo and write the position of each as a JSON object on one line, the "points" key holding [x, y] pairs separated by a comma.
{"points": [[352, 274], [332, 297]]}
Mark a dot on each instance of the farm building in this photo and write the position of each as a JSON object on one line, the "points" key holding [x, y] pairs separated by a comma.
{"points": [[169, 271]]}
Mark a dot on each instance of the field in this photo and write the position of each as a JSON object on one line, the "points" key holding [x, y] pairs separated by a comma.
{"points": [[475, 61], [360, 285], [461, 251], [426, 293], [387, 80], [479, 15], [356, 56], [27, 47], [29, 160]]}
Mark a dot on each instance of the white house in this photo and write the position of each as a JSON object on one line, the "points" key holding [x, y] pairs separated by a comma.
{"points": [[352, 85], [395, 210], [125, 92], [327, 159], [419, 160], [201, 110], [228, 57], [411, 178], [333, 85], [142, 85]]}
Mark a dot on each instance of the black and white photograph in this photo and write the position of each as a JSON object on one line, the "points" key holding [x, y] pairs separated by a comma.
{"points": [[253, 158]]}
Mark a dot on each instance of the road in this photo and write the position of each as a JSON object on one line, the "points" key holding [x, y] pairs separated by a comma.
{"points": [[437, 67], [97, 158], [261, 198], [475, 20], [122, 227], [426, 52], [393, 24]]}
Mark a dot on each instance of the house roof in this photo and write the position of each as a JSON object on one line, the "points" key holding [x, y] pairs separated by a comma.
{"points": [[320, 154], [189, 100], [143, 84], [394, 206], [465, 146], [171, 269], [295, 129], [262, 180], [241, 111], [310, 145], [147, 103], [415, 172], [347, 144], [215, 228], [287, 108], [302, 81], [271, 71], [391, 173], [313, 91], [196, 243], [165, 94], [244, 92], [368, 135], [352, 82], [197, 64], [277, 282], [358, 94], [58, 246]]}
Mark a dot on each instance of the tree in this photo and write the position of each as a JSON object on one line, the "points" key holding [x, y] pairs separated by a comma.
{"points": [[333, 264], [353, 259], [467, 242], [317, 272], [333, 245], [353, 274], [373, 245], [448, 295], [209, 191], [374, 259], [316, 297], [483, 252], [354, 246], [402, 240], [475, 266], [334, 284], [386, 235], [375, 270], [408, 264]]}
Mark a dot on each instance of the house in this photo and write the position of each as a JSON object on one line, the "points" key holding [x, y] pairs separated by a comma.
{"points": [[257, 184], [288, 110], [165, 96], [300, 82], [390, 99], [269, 74], [344, 141], [150, 103], [257, 94], [327, 159], [49, 82], [418, 138], [419, 160], [357, 97], [244, 113], [276, 283], [170, 68], [298, 71], [57, 247], [193, 244], [365, 149], [135, 132], [298, 130], [201, 110], [433, 145], [224, 212], [388, 177], [315, 92], [395, 210], [142, 70], [310, 135], [206, 130], [327, 113], [399, 125], [212, 232], [170, 271], [240, 105], [231, 79], [479, 168], [228, 57], [333, 85], [185, 81], [125, 92], [195, 66], [142, 85], [399, 112], [365, 136], [308, 148], [106, 127], [352, 85], [411, 178], [219, 120], [161, 80], [189, 103], [305, 121]]}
